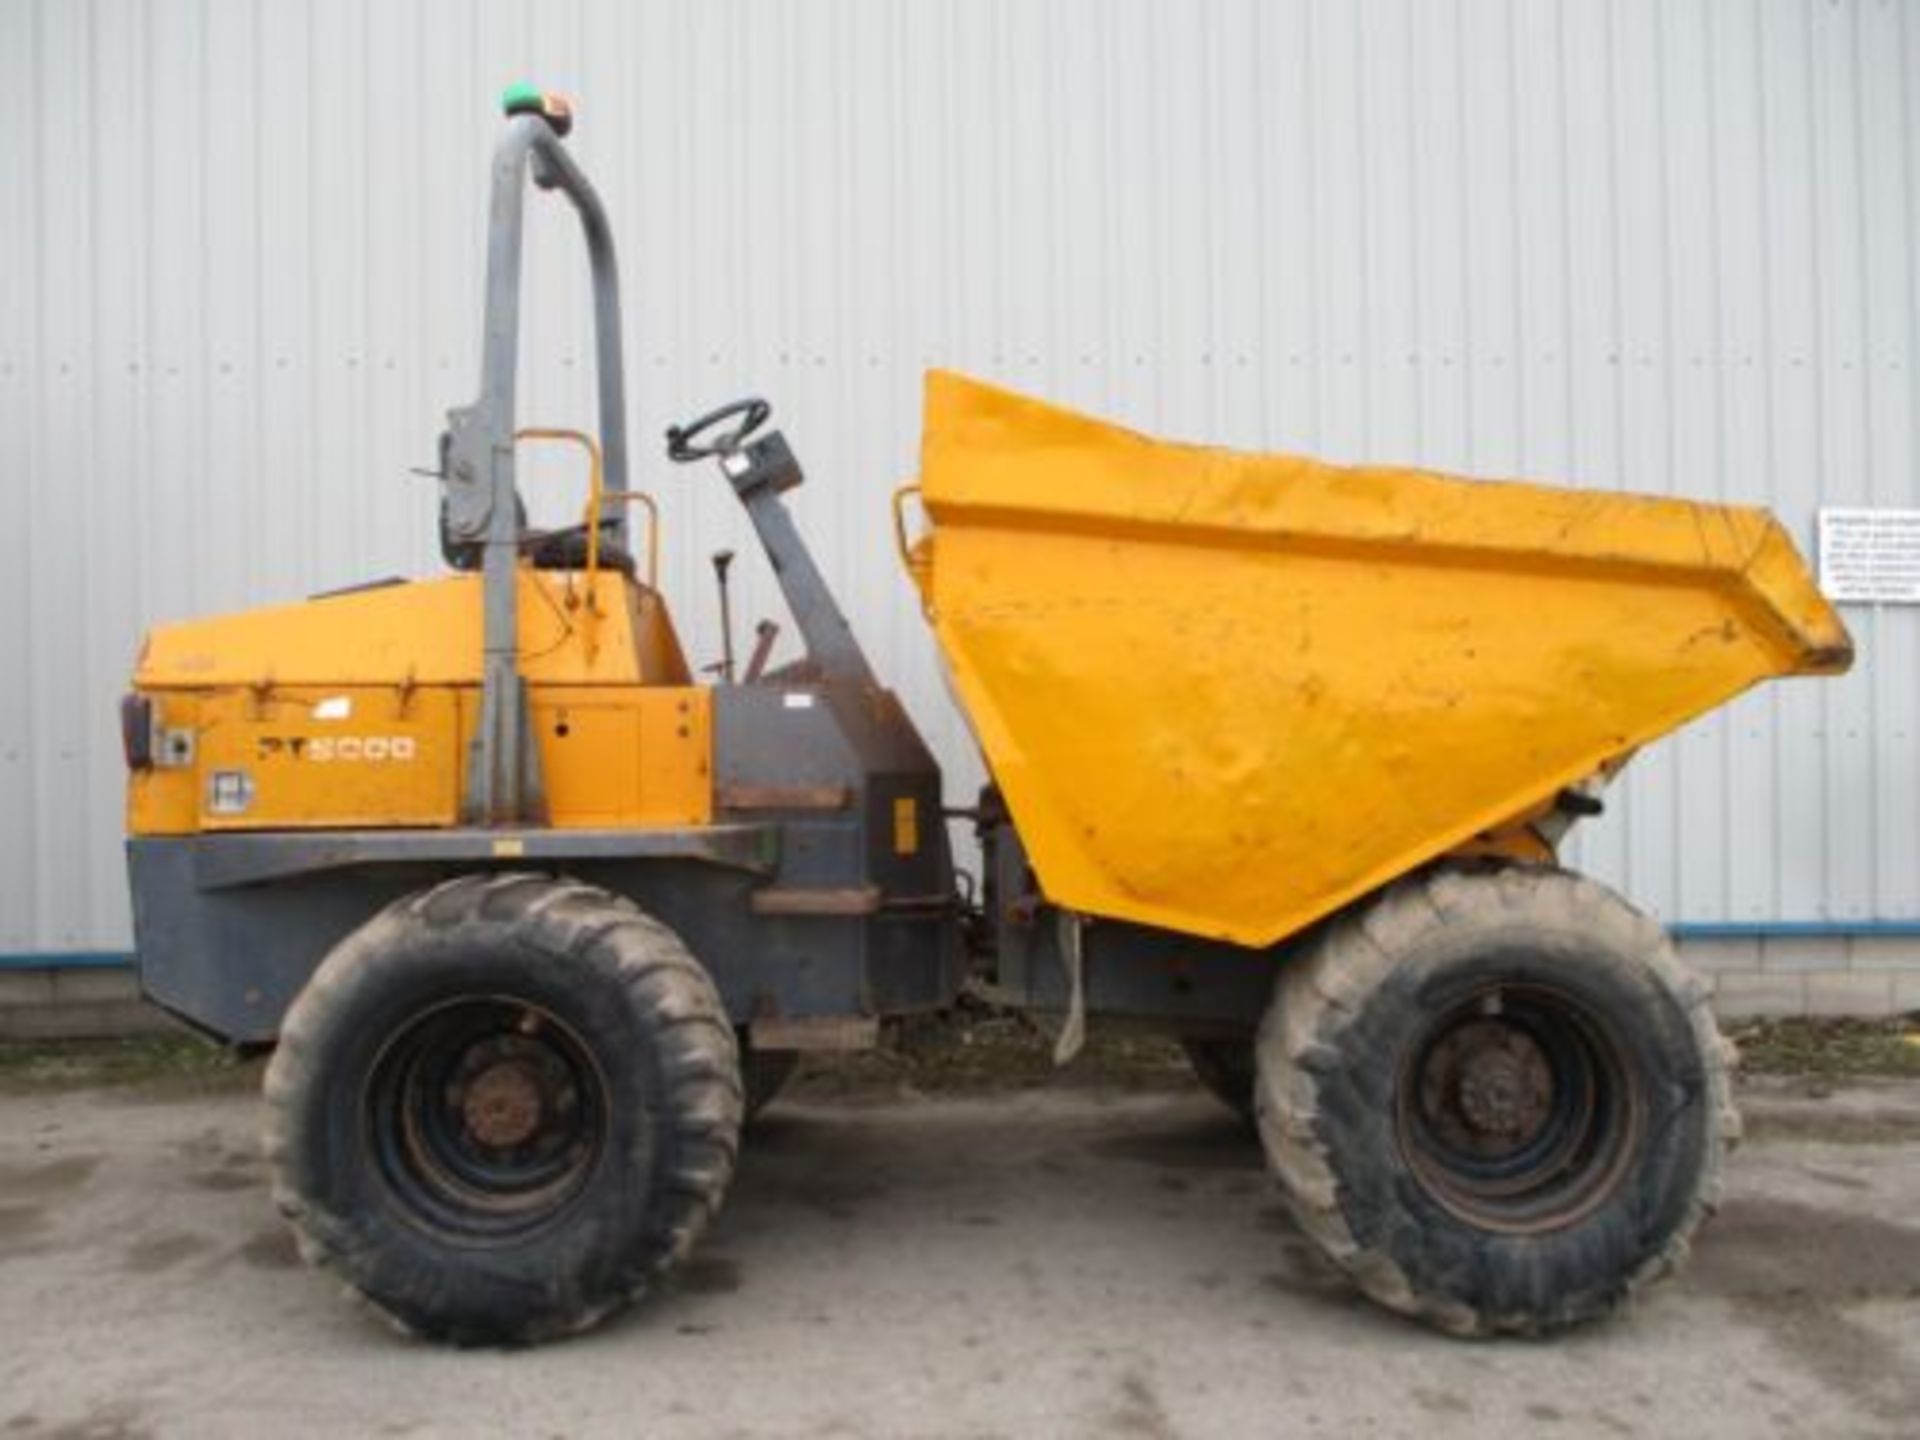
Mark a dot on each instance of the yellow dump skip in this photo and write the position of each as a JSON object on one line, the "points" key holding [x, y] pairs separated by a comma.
{"points": [[1225, 694]]}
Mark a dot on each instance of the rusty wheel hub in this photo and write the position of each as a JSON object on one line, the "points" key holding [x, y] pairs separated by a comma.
{"points": [[502, 1106], [486, 1115], [1515, 1110], [1487, 1087]]}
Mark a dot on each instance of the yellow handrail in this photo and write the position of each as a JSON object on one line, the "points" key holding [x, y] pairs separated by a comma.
{"points": [[653, 530], [597, 498]]}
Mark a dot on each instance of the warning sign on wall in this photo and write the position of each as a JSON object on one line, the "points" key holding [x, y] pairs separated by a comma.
{"points": [[1870, 555]]}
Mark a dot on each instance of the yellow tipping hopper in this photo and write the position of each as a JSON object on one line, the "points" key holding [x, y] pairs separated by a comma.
{"points": [[1225, 694]]}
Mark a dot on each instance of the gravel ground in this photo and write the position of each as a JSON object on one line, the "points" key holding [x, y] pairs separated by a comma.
{"points": [[1044, 1262]]}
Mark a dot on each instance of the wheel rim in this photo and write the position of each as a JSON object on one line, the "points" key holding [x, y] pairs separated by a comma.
{"points": [[1516, 1110], [485, 1117]]}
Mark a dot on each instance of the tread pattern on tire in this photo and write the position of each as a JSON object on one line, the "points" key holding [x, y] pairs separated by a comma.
{"points": [[698, 1058], [1352, 955]]}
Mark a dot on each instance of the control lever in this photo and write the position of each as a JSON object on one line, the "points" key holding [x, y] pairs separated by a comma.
{"points": [[722, 562], [764, 635]]}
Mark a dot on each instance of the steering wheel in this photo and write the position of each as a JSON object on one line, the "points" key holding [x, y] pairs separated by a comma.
{"points": [[753, 413]]}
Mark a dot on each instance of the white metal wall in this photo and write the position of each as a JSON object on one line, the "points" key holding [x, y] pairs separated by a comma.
{"points": [[1666, 245]]}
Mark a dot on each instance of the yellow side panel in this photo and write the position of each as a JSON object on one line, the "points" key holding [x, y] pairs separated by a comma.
{"points": [[375, 757], [625, 755], [1226, 694], [338, 756], [655, 644], [424, 632]]}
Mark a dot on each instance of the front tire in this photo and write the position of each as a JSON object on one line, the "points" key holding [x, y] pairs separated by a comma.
{"points": [[1496, 1099], [503, 1108]]}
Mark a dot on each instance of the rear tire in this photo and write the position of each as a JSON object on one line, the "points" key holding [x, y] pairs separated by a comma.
{"points": [[1226, 1068], [1496, 1099], [764, 1074], [503, 1108]]}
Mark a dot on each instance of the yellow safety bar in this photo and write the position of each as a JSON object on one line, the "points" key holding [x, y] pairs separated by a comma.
{"points": [[596, 502], [640, 497]]}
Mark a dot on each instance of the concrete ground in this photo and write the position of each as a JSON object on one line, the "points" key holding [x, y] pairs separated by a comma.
{"points": [[1041, 1264]]}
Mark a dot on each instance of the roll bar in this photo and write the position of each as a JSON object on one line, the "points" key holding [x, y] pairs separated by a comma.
{"points": [[480, 499]]}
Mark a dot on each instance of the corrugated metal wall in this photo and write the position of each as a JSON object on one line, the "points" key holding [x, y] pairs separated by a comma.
{"points": [[1653, 244]]}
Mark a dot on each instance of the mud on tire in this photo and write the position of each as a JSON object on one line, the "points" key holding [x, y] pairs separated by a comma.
{"points": [[1495, 1098], [503, 1108]]}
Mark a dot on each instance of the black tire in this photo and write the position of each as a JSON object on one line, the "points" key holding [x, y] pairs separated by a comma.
{"points": [[1496, 1099], [1226, 1069], [503, 1108], [764, 1074]]}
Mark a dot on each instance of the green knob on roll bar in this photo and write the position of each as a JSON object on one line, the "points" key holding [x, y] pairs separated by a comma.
{"points": [[524, 99]]}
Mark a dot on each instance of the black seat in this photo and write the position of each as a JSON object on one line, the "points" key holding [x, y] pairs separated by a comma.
{"points": [[548, 549], [567, 550]]}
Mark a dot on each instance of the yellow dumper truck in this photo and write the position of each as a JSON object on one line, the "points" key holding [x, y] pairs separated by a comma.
{"points": [[1281, 753]]}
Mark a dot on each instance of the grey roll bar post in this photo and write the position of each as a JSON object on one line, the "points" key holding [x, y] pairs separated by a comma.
{"points": [[503, 782]]}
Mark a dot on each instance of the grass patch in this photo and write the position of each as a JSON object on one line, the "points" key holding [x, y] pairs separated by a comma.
{"points": [[163, 1062], [1830, 1047]]}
